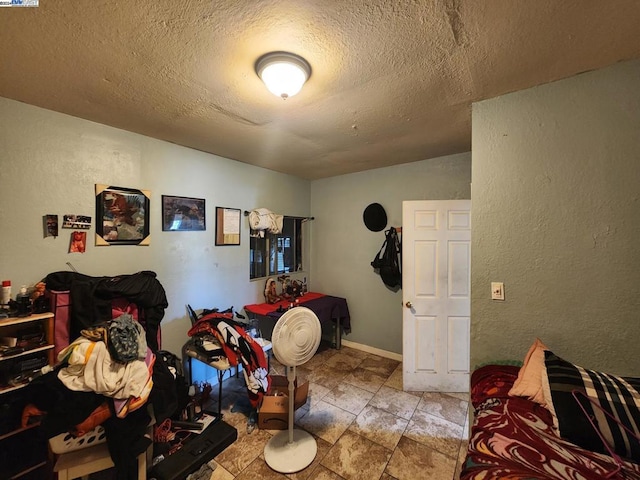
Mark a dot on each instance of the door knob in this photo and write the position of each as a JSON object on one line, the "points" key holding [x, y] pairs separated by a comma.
{"points": [[408, 305]]}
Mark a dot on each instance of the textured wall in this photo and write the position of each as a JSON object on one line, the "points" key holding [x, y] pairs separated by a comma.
{"points": [[343, 247], [556, 176], [49, 165]]}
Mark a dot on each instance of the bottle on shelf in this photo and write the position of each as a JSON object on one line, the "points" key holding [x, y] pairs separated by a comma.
{"points": [[6, 292], [23, 302]]}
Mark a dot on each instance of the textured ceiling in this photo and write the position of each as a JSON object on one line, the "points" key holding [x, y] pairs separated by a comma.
{"points": [[392, 81]]}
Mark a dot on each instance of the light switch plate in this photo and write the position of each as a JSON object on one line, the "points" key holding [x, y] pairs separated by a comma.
{"points": [[497, 291]]}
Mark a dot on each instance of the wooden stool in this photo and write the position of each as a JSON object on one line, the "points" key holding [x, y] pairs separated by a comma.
{"points": [[80, 463]]}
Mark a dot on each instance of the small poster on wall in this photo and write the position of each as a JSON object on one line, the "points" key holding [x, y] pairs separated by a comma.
{"points": [[78, 242], [227, 226], [82, 222], [50, 224]]}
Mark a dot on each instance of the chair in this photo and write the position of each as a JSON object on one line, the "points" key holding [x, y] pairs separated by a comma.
{"points": [[192, 315], [82, 456], [220, 364]]}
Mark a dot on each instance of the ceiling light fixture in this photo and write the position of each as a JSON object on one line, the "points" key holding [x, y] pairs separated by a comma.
{"points": [[283, 73]]}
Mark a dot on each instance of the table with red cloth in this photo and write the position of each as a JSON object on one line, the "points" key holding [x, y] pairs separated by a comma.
{"points": [[327, 308]]}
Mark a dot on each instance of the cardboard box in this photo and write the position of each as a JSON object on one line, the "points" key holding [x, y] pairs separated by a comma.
{"points": [[273, 413]]}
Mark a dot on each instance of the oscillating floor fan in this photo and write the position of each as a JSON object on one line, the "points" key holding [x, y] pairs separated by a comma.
{"points": [[295, 339]]}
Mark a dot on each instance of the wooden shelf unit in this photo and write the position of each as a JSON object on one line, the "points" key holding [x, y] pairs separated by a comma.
{"points": [[9, 439]]}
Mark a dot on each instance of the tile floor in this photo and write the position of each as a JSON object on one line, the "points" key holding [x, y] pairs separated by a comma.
{"points": [[366, 427]]}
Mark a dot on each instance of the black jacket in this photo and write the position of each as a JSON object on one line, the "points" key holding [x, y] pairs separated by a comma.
{"points": [[91, 299]]}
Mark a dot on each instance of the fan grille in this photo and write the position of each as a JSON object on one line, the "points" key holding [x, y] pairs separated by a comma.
{"points": [[296, 336]]}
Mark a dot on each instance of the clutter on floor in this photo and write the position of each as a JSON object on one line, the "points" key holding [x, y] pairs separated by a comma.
{"points": [[198, 450]]}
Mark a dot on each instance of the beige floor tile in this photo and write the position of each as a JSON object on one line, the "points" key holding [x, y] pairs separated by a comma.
{"points": [[395, 379], [357, 458], [412, 460], [323, 473], [365, 379], [276, 368], [462, 455], [327, 376], [221, 473], [315, 362], [325, 351], [444, 406], [435, 432], [348, 397], [259, 469], [399, 403], [380, 365], [301, 412], [302, 375], [326, 421], [238, 420], [307, 473], [465, 432], [460, 395], [316, 393], [343, 362], [379, 426], [354, 352], [236, 457]]}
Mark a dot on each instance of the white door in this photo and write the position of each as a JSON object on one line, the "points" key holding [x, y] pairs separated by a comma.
{"points": [[436, 286]]}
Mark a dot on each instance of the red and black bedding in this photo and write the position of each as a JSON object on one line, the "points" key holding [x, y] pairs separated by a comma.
{"points": [[528, 424]]}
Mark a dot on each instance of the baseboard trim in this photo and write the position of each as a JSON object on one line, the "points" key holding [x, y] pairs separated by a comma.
{"points": [[374, 350]]}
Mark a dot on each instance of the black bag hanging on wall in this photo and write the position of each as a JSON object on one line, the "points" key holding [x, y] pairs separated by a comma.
{"points": [[388, 265]]}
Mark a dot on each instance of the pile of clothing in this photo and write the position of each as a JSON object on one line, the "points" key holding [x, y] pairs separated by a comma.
{"points": [[111, 360], [237, 347], [104, 377]]}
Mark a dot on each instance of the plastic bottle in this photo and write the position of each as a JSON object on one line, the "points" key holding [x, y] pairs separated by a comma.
{"points": [[6, 292], [24, 302]]}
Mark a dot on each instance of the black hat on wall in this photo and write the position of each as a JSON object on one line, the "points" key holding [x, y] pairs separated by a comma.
{"points": [[375, 218]]}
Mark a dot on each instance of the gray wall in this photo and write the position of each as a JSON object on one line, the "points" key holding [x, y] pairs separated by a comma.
{"points": [[556, 198], [343, 247], [49, 164]]}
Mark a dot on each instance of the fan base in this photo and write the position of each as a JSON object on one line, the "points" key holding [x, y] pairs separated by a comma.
{"points": [[285, 457]]}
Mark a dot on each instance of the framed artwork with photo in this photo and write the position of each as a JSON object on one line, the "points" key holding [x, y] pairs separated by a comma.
{"points": [[122, 216], [183, 214]]}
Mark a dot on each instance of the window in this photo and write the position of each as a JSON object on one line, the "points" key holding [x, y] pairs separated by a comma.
{"points": [[276, 253]]}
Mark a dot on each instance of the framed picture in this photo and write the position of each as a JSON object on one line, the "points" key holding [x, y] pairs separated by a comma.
{"points": [[227, 226], [122, 216], [182, 214]]}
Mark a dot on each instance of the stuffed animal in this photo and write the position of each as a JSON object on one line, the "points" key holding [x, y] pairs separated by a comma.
{"points": [[285, 281], [38, 290], [270, 291]]}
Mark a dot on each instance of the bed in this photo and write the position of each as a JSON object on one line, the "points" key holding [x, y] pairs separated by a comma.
{"points": [[514, 437]]}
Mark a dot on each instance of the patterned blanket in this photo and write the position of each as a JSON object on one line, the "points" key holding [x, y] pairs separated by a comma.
{"points": [[513, 438]]}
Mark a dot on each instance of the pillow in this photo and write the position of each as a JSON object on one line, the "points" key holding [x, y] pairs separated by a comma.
{"points": [[618, 396], [529, 381]]}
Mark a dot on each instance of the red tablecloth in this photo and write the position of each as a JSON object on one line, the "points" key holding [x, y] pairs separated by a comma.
{"points": [[267, 308], [326, 307]]}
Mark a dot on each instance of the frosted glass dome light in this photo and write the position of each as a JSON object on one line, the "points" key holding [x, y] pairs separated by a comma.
{"points": [[283, 73]]}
